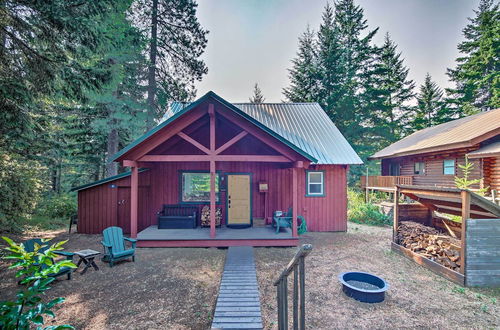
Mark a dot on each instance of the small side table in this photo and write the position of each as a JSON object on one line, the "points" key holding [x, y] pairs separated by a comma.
{"points": [[87, 257]]}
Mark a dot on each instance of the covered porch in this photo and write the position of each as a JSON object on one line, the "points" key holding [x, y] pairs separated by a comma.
{"points": [[200, 237]]}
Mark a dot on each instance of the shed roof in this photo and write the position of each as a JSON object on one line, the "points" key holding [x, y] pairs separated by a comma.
{"points": [[106, 180], [490, 150], [463, 132], [304, 127]]}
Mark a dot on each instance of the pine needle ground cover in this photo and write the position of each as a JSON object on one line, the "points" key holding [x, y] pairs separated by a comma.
{"points": [[164, 288], [417, 298]]}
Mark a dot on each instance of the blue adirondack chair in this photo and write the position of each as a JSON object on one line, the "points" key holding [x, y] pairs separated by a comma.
{"points": [[29, 246], [282, 221], [114, 245]]}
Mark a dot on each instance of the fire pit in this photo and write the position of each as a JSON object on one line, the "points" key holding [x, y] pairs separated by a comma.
{"points": [[363, 287]]}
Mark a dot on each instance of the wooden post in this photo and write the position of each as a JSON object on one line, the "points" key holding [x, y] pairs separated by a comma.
{"points": [[211, 113], [134, 201], [295, 203], [395, 212], [465, 215]]}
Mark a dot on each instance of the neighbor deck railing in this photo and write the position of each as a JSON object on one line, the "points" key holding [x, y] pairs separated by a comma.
{"points": [[386, 181], [296, 265]]}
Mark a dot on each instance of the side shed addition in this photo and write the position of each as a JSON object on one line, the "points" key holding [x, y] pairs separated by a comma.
{"points": [[478, 233]]}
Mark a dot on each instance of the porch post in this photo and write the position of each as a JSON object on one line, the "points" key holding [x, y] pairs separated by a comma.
{"points": [[211, 113], [212, 199], [295, 203], [134, 198]]}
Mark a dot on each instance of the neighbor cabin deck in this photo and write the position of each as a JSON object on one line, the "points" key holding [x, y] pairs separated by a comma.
{"points": [[200, 237]]}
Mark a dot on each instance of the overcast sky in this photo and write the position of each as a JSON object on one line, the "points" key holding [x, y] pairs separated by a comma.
{"points": [[254, 40]]}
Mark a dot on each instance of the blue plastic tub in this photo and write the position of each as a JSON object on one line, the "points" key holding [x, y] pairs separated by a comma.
{"points": [[363, 287]]}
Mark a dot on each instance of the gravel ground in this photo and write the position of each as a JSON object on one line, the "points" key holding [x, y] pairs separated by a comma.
{"points": [[164, 289], [417, 297]]}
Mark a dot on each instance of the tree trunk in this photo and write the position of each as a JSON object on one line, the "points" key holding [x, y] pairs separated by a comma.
{"points": [[112, 167], [152, 66]]}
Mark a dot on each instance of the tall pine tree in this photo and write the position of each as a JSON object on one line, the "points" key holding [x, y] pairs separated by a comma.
{"points": [[431, 108], [390, 95], [477, 74], [176, 42], [304, 82], [257, 96]]}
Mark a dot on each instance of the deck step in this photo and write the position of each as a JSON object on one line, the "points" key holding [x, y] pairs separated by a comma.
{"points": [[238, 303]]}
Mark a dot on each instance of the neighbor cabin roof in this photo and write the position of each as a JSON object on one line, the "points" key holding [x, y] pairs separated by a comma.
{"points": [[463, 132], [304, 127], [490, 150], [106, 180]]}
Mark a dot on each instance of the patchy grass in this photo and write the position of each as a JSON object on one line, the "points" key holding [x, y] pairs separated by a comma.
{"points": [[417, 298], [165, 288]]}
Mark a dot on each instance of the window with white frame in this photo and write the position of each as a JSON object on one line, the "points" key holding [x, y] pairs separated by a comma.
{"points": [[315, 183], [419, 168], [449, 167]]}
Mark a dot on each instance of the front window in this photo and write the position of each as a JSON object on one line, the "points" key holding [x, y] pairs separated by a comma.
{"points": [[196, 187], [419, 168], [449, 167], [315, 183]]}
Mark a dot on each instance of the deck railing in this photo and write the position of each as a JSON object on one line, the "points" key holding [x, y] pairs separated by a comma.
{"points": [[296, 265], [386, 181]]}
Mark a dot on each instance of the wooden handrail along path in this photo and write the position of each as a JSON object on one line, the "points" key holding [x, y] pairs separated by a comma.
{"points": [[296, 265]]}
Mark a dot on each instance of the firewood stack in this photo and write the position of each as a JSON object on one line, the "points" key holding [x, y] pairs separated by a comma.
{"points": [[205, 216], [430, 243]]}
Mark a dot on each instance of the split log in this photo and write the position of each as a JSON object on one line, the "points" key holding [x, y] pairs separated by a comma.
{"points": [[205, 216], [430, 243]]}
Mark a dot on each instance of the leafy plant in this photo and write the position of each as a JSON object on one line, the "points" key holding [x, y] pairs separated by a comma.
{"points": [[365, 213], [58, 206], [34, 268], [466, 183]]}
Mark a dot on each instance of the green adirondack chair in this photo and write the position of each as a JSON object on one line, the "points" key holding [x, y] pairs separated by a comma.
{"points": [[285, 220], [114, 246], [282, 221], [29, 246]]}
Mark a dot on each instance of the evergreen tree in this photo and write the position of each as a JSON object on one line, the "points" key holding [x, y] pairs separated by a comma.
{"points": [[390, 94], [257, 96], [477, 74], [431, 109], [303, 75], [176, 42]]}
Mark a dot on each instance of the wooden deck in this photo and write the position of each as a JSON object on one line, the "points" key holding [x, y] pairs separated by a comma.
{"points": [[200, 237]]}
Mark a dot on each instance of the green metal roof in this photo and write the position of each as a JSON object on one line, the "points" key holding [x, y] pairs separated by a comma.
{"points": [[304, 127], [105, 180]]}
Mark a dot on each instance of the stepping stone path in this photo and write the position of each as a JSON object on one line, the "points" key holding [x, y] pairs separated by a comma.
{"points": [[238, 304]]}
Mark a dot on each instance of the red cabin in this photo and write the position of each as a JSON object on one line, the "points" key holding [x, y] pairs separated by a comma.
{"points": [[235, 165]]}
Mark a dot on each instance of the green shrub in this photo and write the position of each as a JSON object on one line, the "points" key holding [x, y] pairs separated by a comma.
{"points": [[21, 184], [365, 213], [57, 206]]}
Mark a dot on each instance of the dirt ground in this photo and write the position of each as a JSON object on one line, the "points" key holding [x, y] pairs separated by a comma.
{"points": [[417, 298], [163, 289], [177, 288]]}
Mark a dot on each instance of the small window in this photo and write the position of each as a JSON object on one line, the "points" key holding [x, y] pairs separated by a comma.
{"points": [[315, 183], [449, 167], [419, 168], [195, 187]]}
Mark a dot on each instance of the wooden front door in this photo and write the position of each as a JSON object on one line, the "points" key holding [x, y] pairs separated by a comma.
{"points": [[238, 200], [124, 209]]}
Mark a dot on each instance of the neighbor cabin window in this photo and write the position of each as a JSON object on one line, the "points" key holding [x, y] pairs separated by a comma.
{"points": [[449, 167], [315, 183], [419, 168], [195, 187]]}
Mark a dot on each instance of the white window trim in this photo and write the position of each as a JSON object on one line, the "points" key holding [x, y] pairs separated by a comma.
{"points": [[322, 183]]}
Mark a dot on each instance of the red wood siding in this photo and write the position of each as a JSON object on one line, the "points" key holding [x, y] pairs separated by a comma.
{"points": [[98, 206]]}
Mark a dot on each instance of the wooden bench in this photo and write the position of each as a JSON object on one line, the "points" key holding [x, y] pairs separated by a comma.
{"points": [[177, 216]]}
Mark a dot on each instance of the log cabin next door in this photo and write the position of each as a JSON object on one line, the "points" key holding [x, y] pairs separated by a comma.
{"points": [[238, 200]]}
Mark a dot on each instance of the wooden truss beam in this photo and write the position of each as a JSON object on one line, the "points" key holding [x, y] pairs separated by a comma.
{"points": [[217, 158]]}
